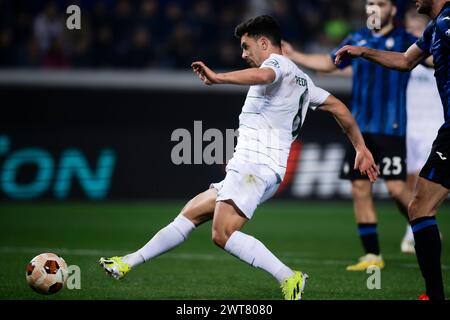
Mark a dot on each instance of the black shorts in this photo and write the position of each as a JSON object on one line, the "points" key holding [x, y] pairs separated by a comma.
{"points": [[437, 167], [389, 153]]}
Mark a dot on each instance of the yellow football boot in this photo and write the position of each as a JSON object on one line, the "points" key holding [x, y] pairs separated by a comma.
{"points": [[367, 261], [292, 288], [115, 267]]}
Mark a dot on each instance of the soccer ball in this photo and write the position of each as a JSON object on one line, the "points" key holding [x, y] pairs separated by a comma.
{"points": [[46, 273]]}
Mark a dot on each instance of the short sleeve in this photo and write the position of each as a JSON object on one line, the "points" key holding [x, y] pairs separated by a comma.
{"points": [[317, 96], [275, 65], [424, 43], [443, 27], [345, 62]]}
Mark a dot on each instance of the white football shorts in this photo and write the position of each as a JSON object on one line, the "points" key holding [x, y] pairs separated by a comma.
{"points": [[247, 185]]}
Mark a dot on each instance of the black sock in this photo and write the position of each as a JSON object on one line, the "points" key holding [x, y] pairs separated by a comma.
{"points": [[369, 237], [428, 252]]}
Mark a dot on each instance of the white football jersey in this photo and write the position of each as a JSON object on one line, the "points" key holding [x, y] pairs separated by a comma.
{"points": [[274, 113], [424, 106]]}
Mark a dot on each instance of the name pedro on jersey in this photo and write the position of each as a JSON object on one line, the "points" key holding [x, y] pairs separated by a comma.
{"points": [[193, 310], [300, 81]]}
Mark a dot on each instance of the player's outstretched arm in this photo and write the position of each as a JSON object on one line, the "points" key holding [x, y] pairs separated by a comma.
{"points": [[364, 161], [402, 61], [252, 76], [316, 62]]}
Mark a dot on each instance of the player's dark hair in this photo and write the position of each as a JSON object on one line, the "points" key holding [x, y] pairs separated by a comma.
{"points": [[260, 26]]}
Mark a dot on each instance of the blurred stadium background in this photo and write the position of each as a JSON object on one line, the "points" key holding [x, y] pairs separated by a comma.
{"points": [[122, 83], [85, 147]]}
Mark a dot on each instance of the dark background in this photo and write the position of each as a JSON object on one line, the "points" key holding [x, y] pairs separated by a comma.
{"points": [[137, 125]]}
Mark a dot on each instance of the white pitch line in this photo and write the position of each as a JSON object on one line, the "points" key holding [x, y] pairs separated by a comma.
{"points": [[288, 257]]}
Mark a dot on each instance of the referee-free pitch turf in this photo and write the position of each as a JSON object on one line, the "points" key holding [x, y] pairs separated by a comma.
{"points": [[319, 238]]}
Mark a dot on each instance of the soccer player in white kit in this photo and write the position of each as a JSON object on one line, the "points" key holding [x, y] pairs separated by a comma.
{"points": [[425, 117], [276, 106]]}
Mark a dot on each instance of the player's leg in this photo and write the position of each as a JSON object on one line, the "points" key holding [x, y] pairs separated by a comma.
{"points": [[245, 187], [226, 234], [197, 211], [366, 219], [227, 223], [433, 187], [422, 211], [365, 215], [407, 244], [412, 168], [418, 149], [402, 196], [363, 208], [400, 193]]}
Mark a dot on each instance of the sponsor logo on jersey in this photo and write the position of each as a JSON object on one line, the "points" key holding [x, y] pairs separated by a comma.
{"points": [[390, 43], [273, 63], [441, 155]]}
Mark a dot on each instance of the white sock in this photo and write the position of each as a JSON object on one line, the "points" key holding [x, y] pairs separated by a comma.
{"points": [[409, 233], [252, 251], [166, 239]]}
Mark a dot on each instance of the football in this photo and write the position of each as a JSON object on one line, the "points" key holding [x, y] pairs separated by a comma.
{"points": [[46, 273]]}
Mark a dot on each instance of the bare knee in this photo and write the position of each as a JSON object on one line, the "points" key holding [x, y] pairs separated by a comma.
{"points": [[220, 236], [360, 190], [419, 208], [427, 199], [191, 212], [227, 220], [412, 209], [396, 191]]}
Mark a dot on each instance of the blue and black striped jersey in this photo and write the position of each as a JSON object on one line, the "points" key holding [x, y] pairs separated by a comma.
{"points": [[436, 41], [379, 94]]}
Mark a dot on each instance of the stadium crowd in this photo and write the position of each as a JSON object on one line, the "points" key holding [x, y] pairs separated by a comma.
{"points": [[163, 34]]}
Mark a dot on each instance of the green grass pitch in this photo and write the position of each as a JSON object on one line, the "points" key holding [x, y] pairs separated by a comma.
{"points": [[319, 238]]}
